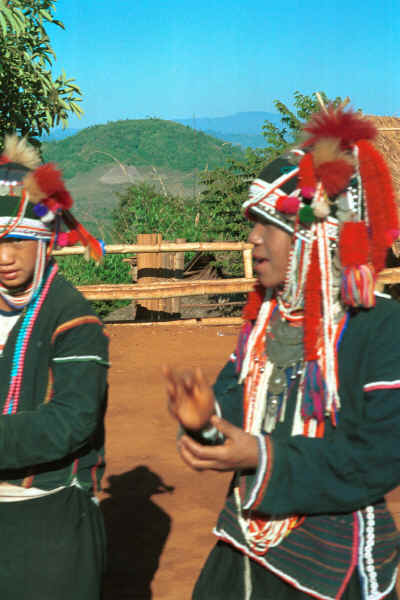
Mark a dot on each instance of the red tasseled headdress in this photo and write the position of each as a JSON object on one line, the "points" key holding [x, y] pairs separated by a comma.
{"points": [[382, 212], [49, 180], [347, 126]]}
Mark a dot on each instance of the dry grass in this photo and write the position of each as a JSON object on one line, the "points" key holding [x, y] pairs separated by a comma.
{"points": [[388, 143]]}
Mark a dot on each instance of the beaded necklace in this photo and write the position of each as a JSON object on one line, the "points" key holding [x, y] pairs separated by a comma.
{"points": [[31, 313], [263, 375]]}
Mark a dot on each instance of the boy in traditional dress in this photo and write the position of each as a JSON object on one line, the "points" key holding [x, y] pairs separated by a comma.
{"points": [[307, 411], [53, 368]]}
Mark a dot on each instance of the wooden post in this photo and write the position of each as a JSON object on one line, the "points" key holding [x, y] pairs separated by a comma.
{"points": [[148, 266], [248, 263], [172, 264], [158, 267], [178, 267], [167, 266]]}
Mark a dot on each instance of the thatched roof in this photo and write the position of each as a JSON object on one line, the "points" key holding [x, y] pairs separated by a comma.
{"points": [[388, 143]]}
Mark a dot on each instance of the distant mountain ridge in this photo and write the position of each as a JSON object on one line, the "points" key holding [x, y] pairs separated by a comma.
{"points": [[243, 128], [246, 123]]}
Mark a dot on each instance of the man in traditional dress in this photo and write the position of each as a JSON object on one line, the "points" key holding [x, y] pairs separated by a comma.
{"points": [[307, 411], [53, 368]]}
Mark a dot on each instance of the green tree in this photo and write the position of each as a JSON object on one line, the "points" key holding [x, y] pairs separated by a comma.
{"points": [[226, 188], [143, 209], [113, 269], [32, 100], [292, 121]]}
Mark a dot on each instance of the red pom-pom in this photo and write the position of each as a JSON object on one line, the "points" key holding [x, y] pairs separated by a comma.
{"points": [[288, 204], [334, 175], [354, 244], [307, 191], [62, 239], [49, 180]]}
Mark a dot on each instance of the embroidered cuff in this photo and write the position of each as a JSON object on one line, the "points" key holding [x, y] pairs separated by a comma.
{"points": [[258, 482]]}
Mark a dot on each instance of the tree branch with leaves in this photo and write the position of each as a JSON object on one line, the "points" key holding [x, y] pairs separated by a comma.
{"points": [[32, 100]]}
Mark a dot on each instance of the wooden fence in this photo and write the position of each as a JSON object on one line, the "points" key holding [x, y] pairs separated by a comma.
{"points": [[151, 286], [153, 254]]}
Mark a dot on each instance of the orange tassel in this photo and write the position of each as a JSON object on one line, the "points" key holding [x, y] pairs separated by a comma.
{"points": [[94, 247]]}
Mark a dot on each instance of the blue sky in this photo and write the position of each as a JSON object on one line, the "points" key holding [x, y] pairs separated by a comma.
{"points": [[179, 58]]}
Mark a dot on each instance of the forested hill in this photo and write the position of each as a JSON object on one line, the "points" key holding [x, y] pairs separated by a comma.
{"points": [[146, 142]]}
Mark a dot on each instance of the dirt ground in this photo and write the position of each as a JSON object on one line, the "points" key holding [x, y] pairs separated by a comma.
{"points": [[159, 515]]}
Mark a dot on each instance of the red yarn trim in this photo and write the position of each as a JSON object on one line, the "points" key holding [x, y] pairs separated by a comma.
{"points": [[253, 304], [312, 306], [306, 172], [382, 211], [354, 244], [4, 160]]}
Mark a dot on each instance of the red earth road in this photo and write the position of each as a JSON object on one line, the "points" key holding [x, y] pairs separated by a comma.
{"points": [[159, 514]]}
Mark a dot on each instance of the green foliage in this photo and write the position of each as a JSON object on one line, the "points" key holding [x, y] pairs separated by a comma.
{"points": [[161, 144], [81, 272], [226, 188], [225, 191], [143, 209], [280, 138], [32, 101]]}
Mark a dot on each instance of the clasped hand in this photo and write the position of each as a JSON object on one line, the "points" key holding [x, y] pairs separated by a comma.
{"points": [[191, 402]]}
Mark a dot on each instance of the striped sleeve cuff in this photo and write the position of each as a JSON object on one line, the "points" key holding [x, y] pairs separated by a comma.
{"points": [[382, 385], [259, 481], [81, 358]]}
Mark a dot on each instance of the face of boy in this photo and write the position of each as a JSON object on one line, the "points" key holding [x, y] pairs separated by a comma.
{"points": [[17, 261], [270, 253]]}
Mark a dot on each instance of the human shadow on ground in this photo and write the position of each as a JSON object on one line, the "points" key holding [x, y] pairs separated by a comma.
{"points": [[137, 530]]}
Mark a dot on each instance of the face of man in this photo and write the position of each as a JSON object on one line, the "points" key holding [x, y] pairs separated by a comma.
{"points": [[270, 253], [17, 261]]}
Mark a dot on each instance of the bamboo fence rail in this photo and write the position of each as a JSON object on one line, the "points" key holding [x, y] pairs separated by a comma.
{"points": [[166, 289], [389, 276], [170, 288], [173, 288]]}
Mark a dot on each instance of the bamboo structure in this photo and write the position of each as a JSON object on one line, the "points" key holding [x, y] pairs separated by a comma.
{"points": [[215, 321], [166, 289], [162, 247], [389, 276], [159, 294], [158, 290]]}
